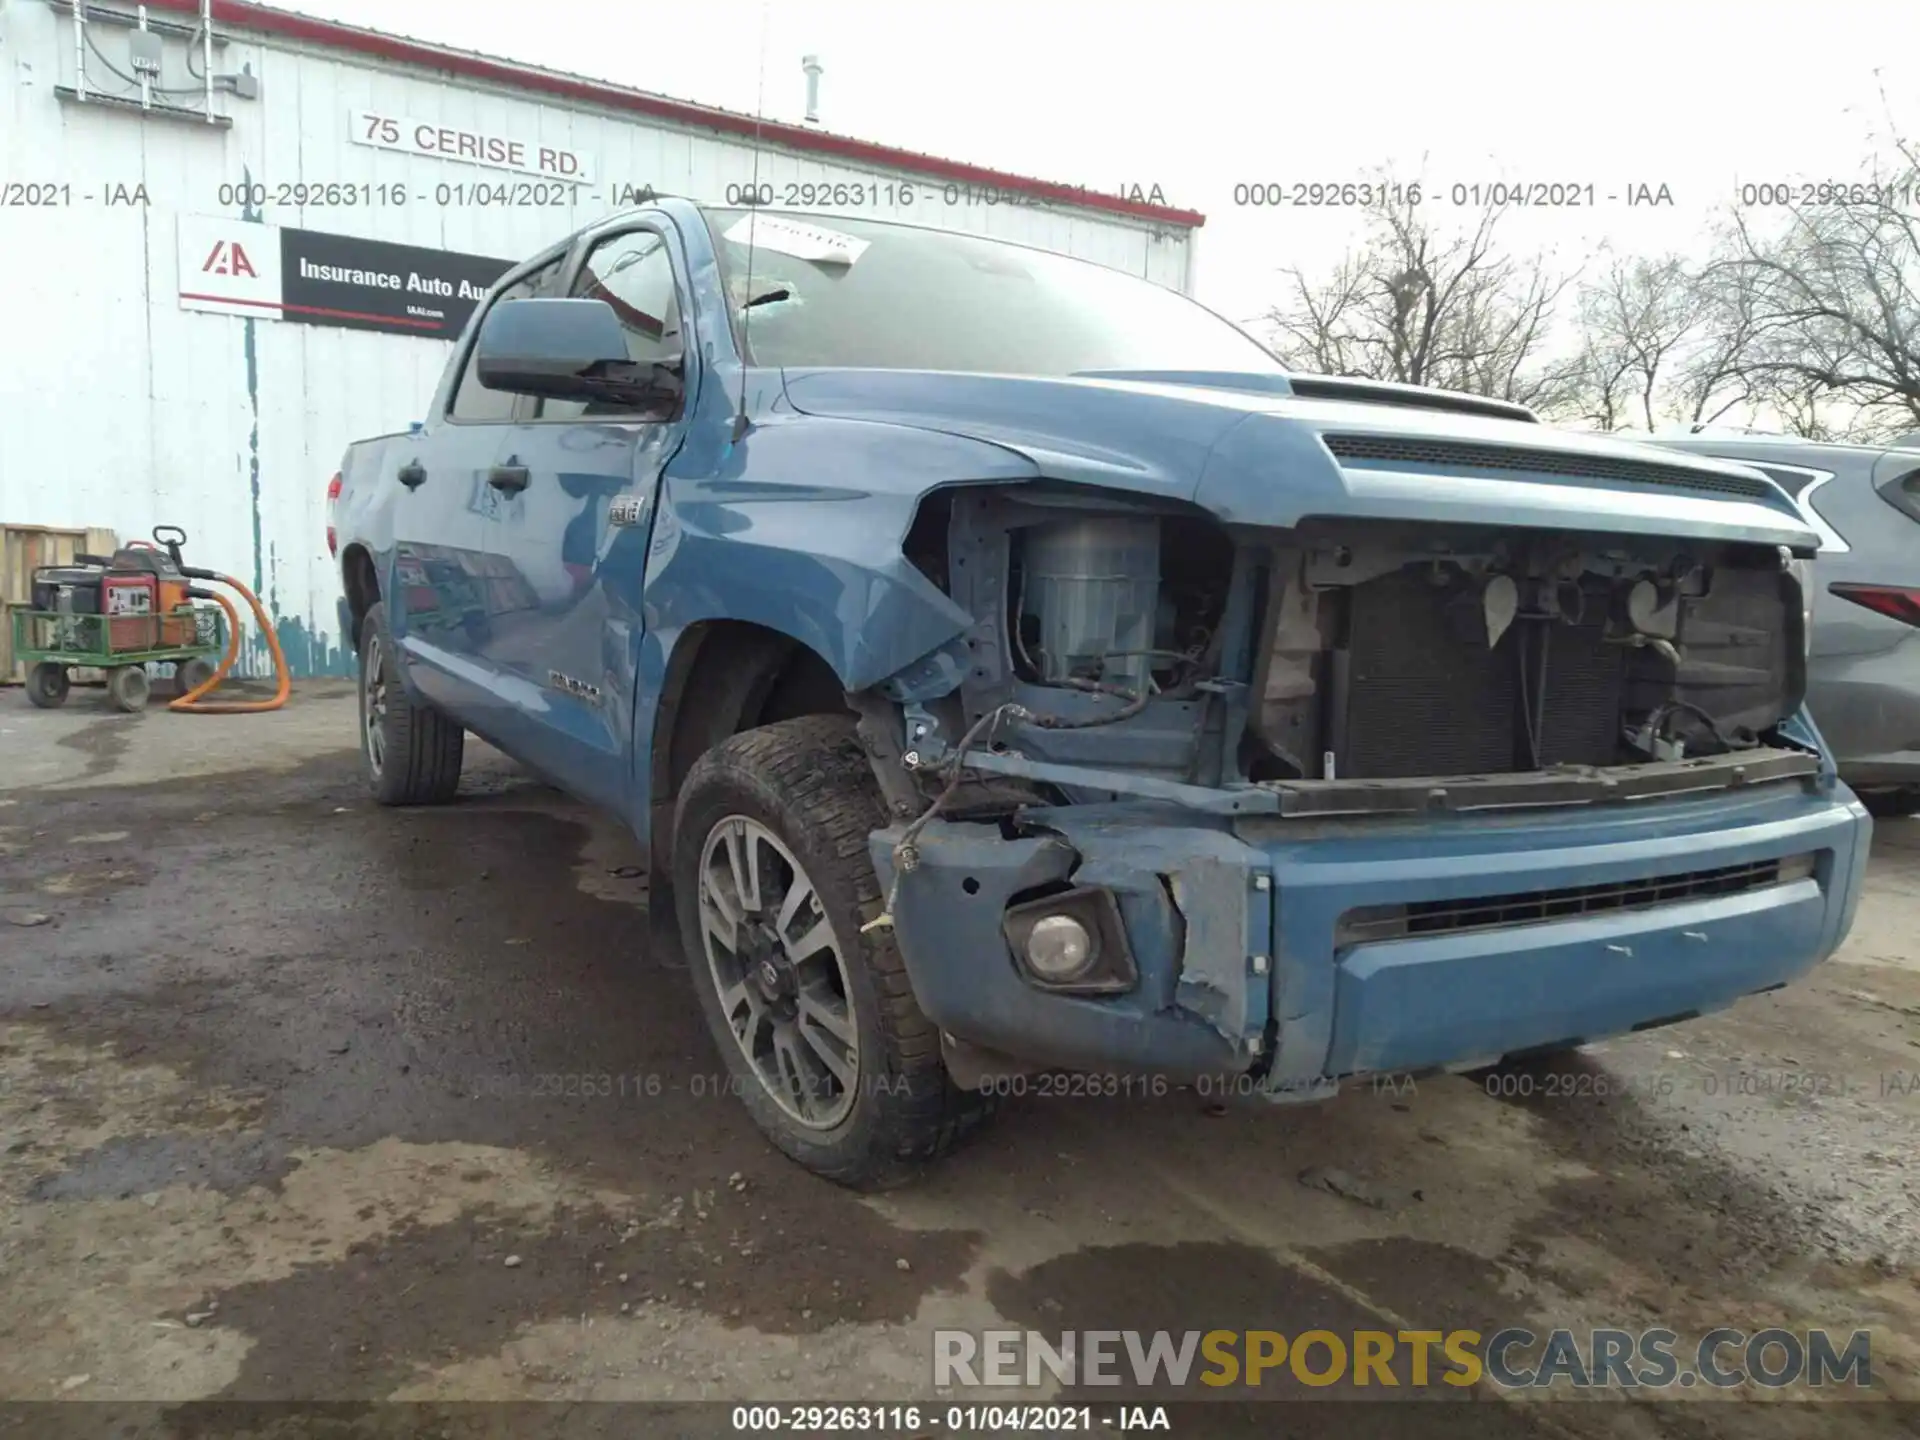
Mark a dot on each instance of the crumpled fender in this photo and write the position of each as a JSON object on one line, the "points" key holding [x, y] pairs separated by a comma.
{"points": [[811, 546]]}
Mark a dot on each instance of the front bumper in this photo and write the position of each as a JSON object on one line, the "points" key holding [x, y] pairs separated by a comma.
{"points": [[1236, 930]]}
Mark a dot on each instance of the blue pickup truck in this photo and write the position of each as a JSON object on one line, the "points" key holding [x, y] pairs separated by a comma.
{"points": [[1011, 670]]}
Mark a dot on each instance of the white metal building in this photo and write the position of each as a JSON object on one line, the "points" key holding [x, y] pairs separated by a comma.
{"points": [[164, 197]]}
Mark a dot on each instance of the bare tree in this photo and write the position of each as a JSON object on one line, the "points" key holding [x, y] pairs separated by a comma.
{"points": [[1319, 327], [1802, 412], [1661, 342], [1636, 318], [1426, 307], [1811, 321], [1600, 392], [1712, 381], [1833, 304]]}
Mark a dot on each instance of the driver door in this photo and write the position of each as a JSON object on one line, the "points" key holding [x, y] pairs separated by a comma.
{"points": [[566, 540]]}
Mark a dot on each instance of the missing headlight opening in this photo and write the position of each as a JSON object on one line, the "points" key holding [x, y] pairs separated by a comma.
{"points": [[1365, 651], [1117, 601]]}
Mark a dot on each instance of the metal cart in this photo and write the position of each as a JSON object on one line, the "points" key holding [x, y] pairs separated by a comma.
{"points": [[50, 642]]}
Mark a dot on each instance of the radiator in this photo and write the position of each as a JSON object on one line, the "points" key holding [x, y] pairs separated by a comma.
{"points": [[1417, 690]]}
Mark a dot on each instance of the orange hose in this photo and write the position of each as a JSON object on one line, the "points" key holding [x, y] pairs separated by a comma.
{"points": [[192, 703]]}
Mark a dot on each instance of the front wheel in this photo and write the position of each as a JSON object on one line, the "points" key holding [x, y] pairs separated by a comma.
{"points": [[190, 675], [412, 752], [815, 1021], [47, 685]]}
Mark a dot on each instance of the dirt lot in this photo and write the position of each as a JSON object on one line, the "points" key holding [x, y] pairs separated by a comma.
{"points": [[304, 1099]]}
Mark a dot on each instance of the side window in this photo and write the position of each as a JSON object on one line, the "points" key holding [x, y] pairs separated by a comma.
{"points": [[633, 273], [472, 401]]}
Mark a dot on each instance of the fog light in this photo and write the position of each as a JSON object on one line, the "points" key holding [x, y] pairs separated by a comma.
{"points": [[1059, 948], [1072, 942]]}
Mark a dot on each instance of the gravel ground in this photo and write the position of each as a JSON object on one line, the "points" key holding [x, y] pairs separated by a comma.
{"points": [[301, 1099]]}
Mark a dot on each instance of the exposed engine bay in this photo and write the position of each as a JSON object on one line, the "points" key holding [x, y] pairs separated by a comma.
{"points": [[1158, 640]]}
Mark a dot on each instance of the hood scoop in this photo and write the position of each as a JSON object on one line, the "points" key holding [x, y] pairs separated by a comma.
{"points": [[1465, 455]]}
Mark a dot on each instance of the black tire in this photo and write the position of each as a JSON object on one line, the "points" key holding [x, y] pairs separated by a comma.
{"points": [[192, 674], [127, 687], [412, 752], [47, 685], [1892, 804], [807, 782]]}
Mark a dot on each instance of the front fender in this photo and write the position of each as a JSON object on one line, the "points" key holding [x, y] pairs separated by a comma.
{"points": [[810, 545], [808, 548]]}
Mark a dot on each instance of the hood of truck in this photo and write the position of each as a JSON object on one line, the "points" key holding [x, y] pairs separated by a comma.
{"points": [[1256, 457]]}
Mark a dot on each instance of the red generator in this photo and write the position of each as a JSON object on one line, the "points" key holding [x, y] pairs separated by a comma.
{"points": [[130, 601]]}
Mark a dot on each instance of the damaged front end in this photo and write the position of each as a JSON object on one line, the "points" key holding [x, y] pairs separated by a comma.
{"points": [[1193, 795]]}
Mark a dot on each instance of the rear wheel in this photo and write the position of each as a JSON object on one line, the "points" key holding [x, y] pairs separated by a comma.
{"points": [[127, 687], [47, 685], [1892, 804], [412, 751], [190, 675], [815, 1021]]}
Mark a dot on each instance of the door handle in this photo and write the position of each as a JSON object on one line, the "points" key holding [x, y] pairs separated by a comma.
{"points": [[412, 473], [511, 477]]}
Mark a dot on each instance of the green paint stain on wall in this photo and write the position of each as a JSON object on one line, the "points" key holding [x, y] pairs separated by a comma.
{"points": [[309, 652]]}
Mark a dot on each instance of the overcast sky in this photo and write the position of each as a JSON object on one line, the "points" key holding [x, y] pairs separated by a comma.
{"points": [[1197, 96]]}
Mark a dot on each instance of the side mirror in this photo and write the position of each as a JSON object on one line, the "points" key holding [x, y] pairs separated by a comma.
{"points": [[569, 350]]}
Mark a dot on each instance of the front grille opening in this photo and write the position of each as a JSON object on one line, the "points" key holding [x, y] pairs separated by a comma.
{"points": [[1537, 907], [1458, 455], [1422, 693]]}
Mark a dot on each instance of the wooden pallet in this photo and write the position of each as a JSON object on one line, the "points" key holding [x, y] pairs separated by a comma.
{"points": [[23, 549]]}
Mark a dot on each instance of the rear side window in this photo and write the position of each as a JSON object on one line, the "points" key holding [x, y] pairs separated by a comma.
{"points": [[1896, 479], [474, 402]]}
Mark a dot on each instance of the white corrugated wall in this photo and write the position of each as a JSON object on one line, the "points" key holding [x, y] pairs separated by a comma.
{"points": [[120, 409]]}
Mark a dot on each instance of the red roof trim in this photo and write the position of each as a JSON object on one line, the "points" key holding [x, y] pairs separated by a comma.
{"points": [[267, 21]]}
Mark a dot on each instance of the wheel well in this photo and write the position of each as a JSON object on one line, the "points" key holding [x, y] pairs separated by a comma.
{"points": [[361, 584], [727, 676]]}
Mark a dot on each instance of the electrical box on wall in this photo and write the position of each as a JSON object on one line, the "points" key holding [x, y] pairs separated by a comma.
{"points": [[121, 60], [145, 49]]}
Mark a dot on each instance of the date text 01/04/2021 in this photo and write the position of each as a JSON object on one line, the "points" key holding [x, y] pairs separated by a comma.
{"points": [[511, 194], [906, 194], [1362, 194], [639, 1085], [922, 1420], [364, 195], [60, 194]]}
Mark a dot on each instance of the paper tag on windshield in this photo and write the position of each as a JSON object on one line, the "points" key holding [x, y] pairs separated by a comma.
{"points": [[796, 238]]}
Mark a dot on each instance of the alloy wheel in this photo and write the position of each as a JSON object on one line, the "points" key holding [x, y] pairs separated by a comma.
{"points": [[374, 711], [782, 980]]}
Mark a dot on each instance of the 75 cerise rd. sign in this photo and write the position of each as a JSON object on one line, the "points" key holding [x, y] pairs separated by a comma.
{"points": [[472, 147]]}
